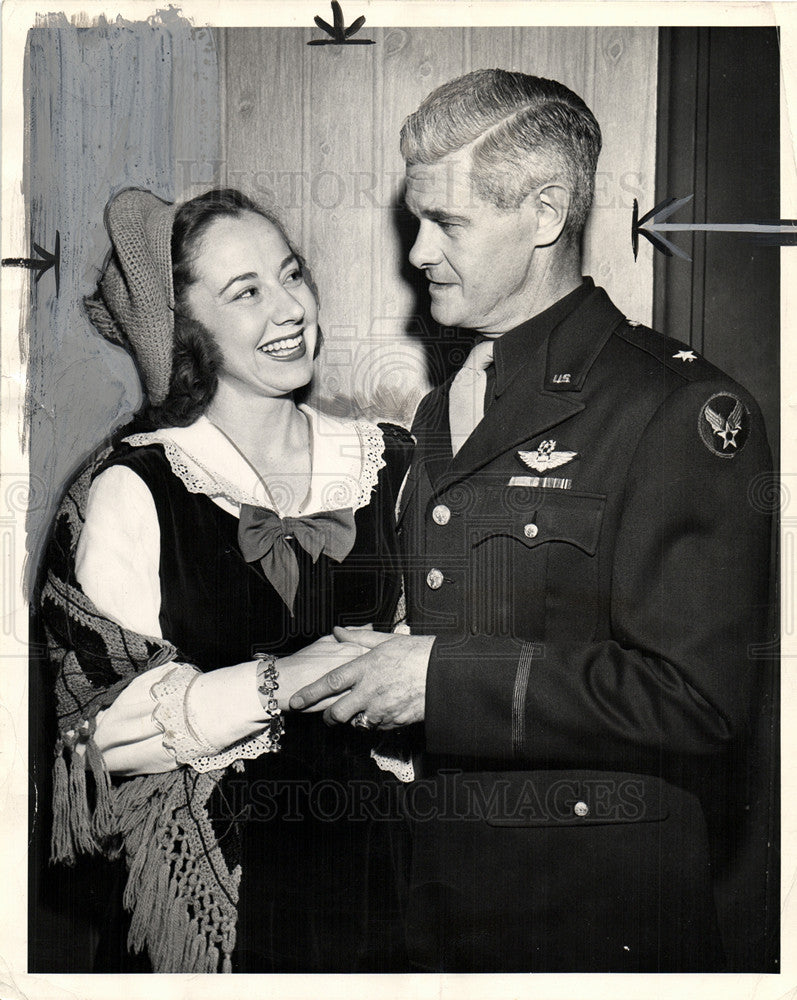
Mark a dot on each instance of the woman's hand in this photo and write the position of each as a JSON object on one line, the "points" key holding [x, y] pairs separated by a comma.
{"points": [[308, 664]]}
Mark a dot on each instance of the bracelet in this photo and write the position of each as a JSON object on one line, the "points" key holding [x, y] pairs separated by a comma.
{"points": [[267, 677]]}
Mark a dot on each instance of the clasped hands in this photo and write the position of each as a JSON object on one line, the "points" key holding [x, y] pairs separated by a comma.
{"points": [[381, 674]]}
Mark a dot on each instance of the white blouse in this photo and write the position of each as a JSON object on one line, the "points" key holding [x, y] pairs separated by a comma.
{"points": [[117, 562]]}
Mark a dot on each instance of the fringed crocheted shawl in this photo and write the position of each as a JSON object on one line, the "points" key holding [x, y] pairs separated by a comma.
{"points": [[180, 891]]}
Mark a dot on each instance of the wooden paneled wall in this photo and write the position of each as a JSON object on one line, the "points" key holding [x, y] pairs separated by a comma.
{"points": [[115, 105], [312, 132]]}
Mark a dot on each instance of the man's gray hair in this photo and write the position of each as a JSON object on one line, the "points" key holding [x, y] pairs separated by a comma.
{"points": [[526, 131]]}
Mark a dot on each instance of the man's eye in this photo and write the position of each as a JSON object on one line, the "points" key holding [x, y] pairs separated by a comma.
{"points": [[447, 227]]}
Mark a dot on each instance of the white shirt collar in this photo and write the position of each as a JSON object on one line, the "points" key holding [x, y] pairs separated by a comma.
{"points": [[346, 458]]}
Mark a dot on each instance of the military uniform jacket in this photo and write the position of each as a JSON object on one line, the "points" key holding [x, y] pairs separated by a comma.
{"points": [[595, 568]]}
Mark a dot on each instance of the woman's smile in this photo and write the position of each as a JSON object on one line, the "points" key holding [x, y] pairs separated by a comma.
{"points": [[283, 348]]}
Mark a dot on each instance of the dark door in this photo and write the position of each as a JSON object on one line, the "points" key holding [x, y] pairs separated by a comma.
{"points": [[718, 138]]}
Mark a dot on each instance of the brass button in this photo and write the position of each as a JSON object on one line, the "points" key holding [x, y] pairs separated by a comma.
{"points": [[434, 579], [581, 809], [441, 514], [530, 531]]}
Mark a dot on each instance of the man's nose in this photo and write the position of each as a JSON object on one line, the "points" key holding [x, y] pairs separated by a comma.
{"points": [[425, 252]]}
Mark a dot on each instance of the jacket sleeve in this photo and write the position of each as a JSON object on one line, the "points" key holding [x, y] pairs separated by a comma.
{"points": [[689, 600]]}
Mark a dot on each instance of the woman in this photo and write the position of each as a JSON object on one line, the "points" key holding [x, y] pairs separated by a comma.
{"points": [[195, 575]]}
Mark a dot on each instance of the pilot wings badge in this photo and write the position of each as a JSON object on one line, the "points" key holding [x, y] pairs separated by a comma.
{"points": [[546, 457], [724, 424]]}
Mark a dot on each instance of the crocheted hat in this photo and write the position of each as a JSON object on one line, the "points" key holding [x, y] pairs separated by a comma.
{"points": [[134, 302]]}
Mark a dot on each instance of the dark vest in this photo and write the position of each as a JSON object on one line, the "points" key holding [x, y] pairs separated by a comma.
{"points": [[219, 610]]}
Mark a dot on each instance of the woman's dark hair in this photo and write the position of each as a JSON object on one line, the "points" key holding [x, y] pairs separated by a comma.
{"points": [[196, 356]]}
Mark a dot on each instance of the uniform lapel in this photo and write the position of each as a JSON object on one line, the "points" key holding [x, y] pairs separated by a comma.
{"points": [[542, 394], [524, 410], [432, 454]]}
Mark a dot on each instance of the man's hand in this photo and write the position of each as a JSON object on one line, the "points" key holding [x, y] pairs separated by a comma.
{"points": [[312, 662], [388, 683]]}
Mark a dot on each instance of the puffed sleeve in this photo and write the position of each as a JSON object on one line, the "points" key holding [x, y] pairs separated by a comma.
{"points": [[116, 565], [145, 730], [118, 552]]}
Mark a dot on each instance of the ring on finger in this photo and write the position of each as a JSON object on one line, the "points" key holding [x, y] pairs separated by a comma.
{"points": [[361, 721]]}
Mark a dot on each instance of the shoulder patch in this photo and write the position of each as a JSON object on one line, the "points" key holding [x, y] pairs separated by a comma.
{"points": [[724, 424]]}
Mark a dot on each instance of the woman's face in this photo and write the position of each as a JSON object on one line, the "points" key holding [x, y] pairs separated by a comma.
{"points": [[251, 295]]}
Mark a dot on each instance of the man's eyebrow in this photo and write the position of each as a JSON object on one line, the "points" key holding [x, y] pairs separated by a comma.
{"points": [[435, 214], [440, 215]]}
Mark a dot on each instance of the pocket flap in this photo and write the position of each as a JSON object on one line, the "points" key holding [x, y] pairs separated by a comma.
{"points": [[558, 516]]}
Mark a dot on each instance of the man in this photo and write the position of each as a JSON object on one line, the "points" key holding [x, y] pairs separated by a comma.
{"points": [[584, 573]]}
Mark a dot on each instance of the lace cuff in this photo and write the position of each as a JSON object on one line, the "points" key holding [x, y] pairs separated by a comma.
{"points": [[393, 755], [182, 735], [246, 749]]}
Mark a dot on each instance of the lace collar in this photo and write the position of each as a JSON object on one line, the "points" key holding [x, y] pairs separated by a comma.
{"points": [[347, 457]]}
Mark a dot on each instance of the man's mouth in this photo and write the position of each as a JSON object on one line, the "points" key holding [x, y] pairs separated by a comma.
{"points": [[285, 348]]}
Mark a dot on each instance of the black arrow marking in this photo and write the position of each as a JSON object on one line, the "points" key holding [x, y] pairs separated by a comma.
{"points": [[338, 32], [652, 225], [48, 260]]}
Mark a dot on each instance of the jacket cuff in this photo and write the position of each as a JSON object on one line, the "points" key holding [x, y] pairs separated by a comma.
{"points": [[470, 694]]}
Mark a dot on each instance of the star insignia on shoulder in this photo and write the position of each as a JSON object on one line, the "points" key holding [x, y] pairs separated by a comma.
{"points": [[546, 457], [727, 429], [724, 424], [685, 356]]}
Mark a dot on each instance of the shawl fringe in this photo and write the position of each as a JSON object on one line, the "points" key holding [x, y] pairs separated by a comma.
{"points": [[180, 893]]}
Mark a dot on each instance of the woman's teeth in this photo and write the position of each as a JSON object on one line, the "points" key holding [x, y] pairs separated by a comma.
{"points": [[288, 344]]}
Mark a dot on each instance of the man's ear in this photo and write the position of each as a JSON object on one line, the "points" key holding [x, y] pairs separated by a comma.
{"points": [[552, 206]]}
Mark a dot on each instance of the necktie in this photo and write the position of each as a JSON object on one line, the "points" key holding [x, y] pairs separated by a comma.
{"points": [[466, 396], [263, 536]]}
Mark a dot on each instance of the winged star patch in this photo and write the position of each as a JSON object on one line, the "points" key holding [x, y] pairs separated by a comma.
{"points": [[724, 424], [546, 457]]}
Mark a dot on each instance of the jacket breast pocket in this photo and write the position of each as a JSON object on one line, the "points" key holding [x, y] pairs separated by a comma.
{"points": [[538, 562]]}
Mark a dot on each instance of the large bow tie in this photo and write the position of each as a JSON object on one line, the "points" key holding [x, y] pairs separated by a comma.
{"points": [[263, 535]]}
